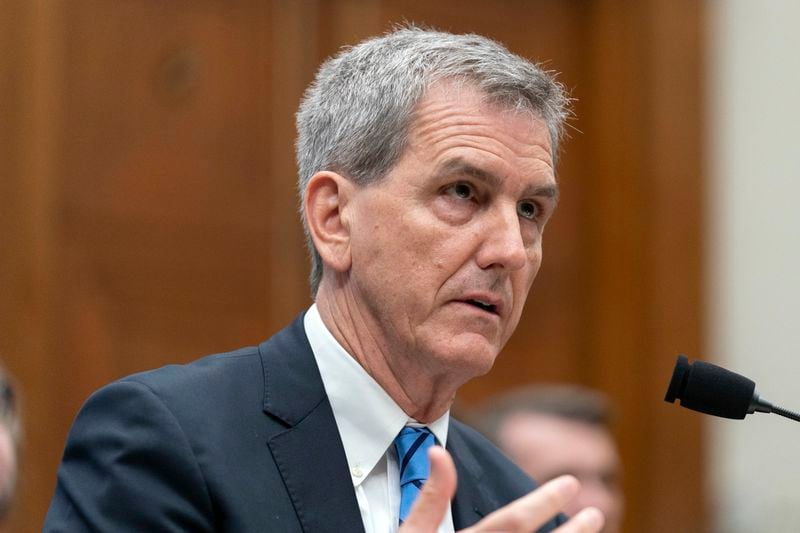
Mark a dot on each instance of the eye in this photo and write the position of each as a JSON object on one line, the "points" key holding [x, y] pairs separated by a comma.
{"points": [[461, 190], [527, 210]]}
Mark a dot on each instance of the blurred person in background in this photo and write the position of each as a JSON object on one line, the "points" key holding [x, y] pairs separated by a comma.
{"points": [[550, 430], [9, 437]]}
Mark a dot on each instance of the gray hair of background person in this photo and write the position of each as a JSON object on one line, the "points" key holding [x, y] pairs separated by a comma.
{"points": [[355, 116], [9, 419], [570, 402]]}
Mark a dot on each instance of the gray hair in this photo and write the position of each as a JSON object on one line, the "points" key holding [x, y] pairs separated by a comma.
{"points": [[566, 401], [355, 116]]}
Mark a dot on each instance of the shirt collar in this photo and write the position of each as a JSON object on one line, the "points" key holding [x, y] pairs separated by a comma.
{"points": [[368, 419]]}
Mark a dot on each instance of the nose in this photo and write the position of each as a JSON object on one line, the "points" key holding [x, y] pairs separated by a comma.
{"points": [[502, 245]]}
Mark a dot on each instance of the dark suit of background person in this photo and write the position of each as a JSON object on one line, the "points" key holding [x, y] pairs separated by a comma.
{"points": [[243, 441], [424, 246]]}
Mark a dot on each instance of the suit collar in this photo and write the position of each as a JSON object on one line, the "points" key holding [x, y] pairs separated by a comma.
{"points": [[292, 384], [308, 452]]}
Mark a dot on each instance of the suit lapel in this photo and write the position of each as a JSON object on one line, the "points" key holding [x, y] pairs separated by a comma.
{"points": [[473, 500], [475, 495], [309, 452]]}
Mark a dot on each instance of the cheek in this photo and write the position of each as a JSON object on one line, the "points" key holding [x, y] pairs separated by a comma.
{"points": [[423, 245], [401, 257], [534, 263], [526, 276], [522, 280]]}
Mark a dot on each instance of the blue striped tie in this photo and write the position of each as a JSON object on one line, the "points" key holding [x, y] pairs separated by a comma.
{"points": [[412, 445]]}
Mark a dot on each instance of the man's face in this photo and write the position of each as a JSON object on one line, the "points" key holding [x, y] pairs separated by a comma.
{"points": [[445, 247], [546, 447]]}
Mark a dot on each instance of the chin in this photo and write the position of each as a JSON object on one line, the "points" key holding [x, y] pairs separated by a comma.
{"points": [[472, 359]]}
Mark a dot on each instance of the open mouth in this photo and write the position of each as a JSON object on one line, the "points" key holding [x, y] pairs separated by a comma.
{"points": [[484, 306]]}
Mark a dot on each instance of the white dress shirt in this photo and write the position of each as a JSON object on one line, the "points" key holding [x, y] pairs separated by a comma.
{"points": [[368, 421]]}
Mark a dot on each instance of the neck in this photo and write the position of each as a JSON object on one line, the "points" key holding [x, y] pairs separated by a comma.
{"points": [[421, 394]]}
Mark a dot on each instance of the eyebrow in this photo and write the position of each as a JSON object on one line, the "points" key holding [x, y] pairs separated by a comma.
{"points": [[459, 166]]}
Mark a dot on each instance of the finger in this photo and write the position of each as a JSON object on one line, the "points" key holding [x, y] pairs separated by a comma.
{"points": [[532, 510], [428, 511], [589, 520]]}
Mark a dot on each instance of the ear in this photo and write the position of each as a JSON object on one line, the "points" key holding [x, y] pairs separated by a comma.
{"points": [[326, 197]]}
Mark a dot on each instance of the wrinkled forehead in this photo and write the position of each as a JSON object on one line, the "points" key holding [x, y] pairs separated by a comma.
{"points": [[457, 109], [462, 89]]}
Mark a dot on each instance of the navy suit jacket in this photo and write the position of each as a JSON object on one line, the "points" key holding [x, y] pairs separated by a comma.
{"points": [[242, 441]]}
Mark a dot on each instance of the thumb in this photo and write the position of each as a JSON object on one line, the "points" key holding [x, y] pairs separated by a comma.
{"points": [[431, 505]]}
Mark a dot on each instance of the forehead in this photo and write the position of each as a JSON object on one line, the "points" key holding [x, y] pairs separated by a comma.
{"points": [[554, 437], [454, 120]]}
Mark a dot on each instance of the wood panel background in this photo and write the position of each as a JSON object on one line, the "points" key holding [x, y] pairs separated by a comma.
{"points": [[147, 204]]}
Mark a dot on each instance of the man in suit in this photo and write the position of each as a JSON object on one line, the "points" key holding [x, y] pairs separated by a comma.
{"points": [[426, 170]]}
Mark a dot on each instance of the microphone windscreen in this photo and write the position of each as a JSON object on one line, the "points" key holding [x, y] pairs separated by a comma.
{"points": [[710, 389]]}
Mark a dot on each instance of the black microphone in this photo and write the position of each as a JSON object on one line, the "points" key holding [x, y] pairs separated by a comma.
{"points": [[716, 391]]}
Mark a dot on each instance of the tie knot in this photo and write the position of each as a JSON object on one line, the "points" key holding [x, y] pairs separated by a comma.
{"points": [[412, 445]]}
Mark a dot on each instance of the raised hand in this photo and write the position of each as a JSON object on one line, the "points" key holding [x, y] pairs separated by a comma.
{"points": [[523, 515]]}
